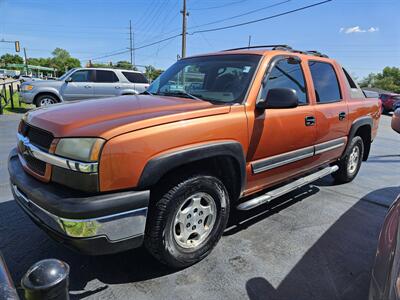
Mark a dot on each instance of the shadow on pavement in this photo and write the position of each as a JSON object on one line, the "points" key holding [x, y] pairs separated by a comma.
{"points": [[240, 220], [322, 273], [338, 265]]}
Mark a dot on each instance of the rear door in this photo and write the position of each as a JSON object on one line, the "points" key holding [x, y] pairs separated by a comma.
{"points": [[106, 84], [81, 86], [139, 81], [331, 110]]}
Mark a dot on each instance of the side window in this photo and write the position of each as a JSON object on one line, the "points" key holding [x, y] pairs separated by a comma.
{"points": [[350, 80], [106, 76], [135, 77], [325, 82], [81, 76], [287, 73]]}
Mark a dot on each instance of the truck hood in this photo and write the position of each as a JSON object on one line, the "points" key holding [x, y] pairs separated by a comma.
{"points": [[109, 117]]}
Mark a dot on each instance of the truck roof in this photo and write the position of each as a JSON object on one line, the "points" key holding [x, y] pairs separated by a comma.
{"points": [[265, 49]]}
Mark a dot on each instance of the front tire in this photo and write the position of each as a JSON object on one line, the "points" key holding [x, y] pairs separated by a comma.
{"points": [[351, 163], [45, 100], [187, 221]]}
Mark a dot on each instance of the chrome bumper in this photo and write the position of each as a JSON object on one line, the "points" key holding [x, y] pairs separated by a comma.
{"points": [[115, 227]]}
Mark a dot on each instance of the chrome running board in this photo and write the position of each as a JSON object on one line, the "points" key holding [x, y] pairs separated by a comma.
{"points": [[252, 203]]}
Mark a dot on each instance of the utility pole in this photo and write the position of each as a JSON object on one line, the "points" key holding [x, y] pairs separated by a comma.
{"points": [[184, 15], [131, 44], [249, 41], [26, 61]]}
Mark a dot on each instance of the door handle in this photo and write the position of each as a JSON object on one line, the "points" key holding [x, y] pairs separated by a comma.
{"points": [[117, 87], [342, 116], [310, 121], [88, 86]]}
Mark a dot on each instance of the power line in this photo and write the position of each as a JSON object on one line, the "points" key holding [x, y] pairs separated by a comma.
{"points": [[262, 19], [222, 28], [241, 15], [219, 6]]}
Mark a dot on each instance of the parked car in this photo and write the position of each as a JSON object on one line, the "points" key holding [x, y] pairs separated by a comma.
{"points": [[387, 101], [385, 277], [396, 117], [3, 74], [25, 78], [165, 168], [84, 83], [371, 94]]}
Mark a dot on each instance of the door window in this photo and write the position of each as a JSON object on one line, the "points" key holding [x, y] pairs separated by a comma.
{"points": [[325, 81], [106, 76], [81, 76], [287, 73]]}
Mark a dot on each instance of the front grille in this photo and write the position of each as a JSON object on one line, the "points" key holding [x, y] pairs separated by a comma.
{"points": [[35, 165], [37, 137]]}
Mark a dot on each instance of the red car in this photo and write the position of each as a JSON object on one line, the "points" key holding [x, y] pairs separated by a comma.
{"points": [[387, 101]]}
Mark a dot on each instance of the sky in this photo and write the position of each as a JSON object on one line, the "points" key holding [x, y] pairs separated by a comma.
{"points": [[364, 36]]}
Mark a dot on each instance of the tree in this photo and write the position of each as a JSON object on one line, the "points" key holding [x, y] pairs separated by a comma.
{"points": [[388, 80], [123, 64], [152, 73], [63, 61], [11, 59]]}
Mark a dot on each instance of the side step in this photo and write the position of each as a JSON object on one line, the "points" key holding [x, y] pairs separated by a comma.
{"points": [[252, 203]]}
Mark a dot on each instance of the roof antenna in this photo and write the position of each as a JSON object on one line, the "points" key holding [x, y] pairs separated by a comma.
{"points": [[249, 42]]}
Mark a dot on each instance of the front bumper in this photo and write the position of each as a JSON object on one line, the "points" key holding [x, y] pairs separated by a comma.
{"points": [[27, 97], [92, 224]]}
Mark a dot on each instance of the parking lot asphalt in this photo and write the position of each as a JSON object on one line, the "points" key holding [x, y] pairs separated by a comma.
{"points": [[315, 243]]}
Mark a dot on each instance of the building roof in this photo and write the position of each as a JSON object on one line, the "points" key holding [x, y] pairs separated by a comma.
{"points": [[32, 67]]}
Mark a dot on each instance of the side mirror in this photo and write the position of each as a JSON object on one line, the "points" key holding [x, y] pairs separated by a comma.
{"points": [[280, 98], [69, 79]]}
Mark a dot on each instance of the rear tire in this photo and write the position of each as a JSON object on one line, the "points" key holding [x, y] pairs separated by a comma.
{"points": [[45, 100], [187, 221], [351, 163]]}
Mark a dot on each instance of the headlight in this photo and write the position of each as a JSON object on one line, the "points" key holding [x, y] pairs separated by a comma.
{"points": [[82, 149], [27, 87]]}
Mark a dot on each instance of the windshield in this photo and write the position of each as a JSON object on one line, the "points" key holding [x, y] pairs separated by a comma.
{"points": [[65, 76], [219, 78]]}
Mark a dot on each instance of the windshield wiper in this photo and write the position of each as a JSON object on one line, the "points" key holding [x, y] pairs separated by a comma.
{"points": [[180, 93]]}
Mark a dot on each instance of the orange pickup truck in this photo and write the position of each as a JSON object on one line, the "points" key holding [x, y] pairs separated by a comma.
{"points": [[164, 168]]}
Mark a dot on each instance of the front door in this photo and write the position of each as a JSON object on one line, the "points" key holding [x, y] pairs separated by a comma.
{"points": [[282, 140], [80, 86]]}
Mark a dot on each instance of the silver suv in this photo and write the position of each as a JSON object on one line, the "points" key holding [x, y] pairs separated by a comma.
{"points": [[84, 83]]}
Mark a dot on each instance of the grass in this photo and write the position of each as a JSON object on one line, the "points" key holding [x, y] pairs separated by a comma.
{"points": [[19, 108]]}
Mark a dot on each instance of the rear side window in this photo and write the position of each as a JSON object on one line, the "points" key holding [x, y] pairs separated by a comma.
{"points": [[287, 73], [350, 80], [135, 77], [106, 76], [325, 82]]}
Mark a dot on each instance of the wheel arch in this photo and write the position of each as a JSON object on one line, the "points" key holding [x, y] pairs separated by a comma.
{"points": [[361, 127], [224, 158], [41, 93]]}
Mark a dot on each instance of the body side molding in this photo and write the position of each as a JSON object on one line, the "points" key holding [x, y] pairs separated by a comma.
{"points": [[279, 160]]}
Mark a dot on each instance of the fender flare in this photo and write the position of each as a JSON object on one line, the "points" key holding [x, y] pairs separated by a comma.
{"points": [[160, 165], [49, 91], [367, 120]]}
